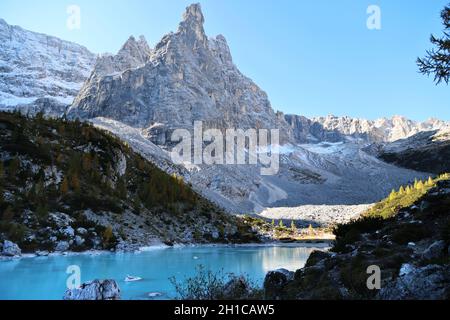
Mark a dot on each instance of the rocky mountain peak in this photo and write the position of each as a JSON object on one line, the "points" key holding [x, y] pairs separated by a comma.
{"points": [[134, 53], [189, 77], [137, 50], [220, 48], [191, 27]]}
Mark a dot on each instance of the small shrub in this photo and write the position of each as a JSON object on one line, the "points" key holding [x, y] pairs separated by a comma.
{"points": [[410, 233], [350, 233], [108, 238], [207, 285]]}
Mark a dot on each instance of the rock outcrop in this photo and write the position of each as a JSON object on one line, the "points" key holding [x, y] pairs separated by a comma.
{"points": [[10, 249], [425, 151], [275, 282], [430, 282], [95, 290]]}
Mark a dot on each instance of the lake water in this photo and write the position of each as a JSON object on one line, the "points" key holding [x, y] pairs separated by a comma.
{"points": [[45, 277]]}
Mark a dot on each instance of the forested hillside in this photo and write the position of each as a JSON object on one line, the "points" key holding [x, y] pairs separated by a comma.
{"points": [[69, 186]]}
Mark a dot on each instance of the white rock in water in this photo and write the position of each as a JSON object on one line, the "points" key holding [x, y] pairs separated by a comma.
{"points": [[95, 290], [44, 253], [154, 294], [10, 249]]}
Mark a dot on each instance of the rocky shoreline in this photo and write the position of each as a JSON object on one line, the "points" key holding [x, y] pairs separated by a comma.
{"points": [[19, 255], [411, 250]]}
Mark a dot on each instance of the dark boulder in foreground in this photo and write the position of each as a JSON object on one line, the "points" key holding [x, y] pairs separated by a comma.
{"points": [[95, 290], [418, 283], [275, 282]]}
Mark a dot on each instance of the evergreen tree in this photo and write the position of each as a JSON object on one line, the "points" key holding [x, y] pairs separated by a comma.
{"points": [[121, 188], [437, 60], [60, 159], [14, 167], [2, 170], [401, 191], [293, 226], [8, 214], [75, 182], [280, 224], [86, 161], [408, 190], [393, 195], [430, 182], [420, 185], [42, 212], [310, 230], [107, 236], [64, 186]]}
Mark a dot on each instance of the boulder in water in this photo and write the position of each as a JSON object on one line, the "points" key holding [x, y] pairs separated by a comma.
{"points": [[10, 249], [95, 290]]}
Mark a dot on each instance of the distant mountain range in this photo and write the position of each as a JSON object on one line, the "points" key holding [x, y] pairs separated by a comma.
{"points": [[142, 94]]}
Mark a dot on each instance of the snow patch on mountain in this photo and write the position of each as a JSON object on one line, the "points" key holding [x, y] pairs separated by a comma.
{"points": [[34, 66]]}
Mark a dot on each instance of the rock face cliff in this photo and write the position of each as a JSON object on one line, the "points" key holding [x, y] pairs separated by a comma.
{"points": [[185, 78], [425, 151], [37, 66]]}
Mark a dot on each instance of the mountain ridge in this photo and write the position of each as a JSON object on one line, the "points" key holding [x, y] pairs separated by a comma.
{"points": [[136, 52], [37, 66], [188, 77]]}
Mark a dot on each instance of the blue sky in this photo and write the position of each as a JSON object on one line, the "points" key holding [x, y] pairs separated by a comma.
{"points": [[312, 57]]}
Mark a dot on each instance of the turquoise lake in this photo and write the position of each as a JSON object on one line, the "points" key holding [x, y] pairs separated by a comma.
{"points": [[44, 278]]}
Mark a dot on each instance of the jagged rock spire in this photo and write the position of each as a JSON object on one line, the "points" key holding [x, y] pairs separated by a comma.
{"points": [[137, 49], [191, 27]]}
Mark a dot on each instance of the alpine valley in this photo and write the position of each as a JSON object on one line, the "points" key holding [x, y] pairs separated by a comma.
{"points": [[85, 154]]}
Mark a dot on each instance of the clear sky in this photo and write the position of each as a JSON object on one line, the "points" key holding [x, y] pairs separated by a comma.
{"points": [[312, 57]]}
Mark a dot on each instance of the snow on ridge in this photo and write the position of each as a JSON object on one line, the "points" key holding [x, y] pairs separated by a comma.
{"points": [[35, 65]]}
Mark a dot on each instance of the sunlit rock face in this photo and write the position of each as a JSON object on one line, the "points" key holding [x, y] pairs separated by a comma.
{"points": [[190, 77], [185, 78]]}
